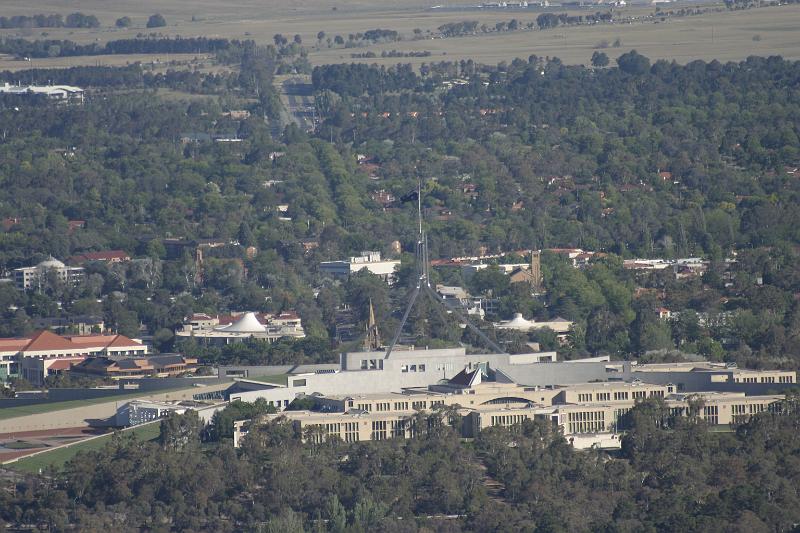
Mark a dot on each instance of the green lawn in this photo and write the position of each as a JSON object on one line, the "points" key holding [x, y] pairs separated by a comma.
{"points": [[21, 445], [281, 379], [24, 410], [59, 456]]}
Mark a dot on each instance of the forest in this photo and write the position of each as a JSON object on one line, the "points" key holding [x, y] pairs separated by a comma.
{"points": [[671, 475], [640, 159]]}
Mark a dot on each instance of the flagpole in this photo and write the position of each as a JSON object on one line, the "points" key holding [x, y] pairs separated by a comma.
{"points": [[419, 207], [424, 284]]}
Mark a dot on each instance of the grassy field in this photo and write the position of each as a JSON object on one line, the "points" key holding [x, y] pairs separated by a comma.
{"points": [[726, 36], [281, 379], [59, 456], [720, 35]]}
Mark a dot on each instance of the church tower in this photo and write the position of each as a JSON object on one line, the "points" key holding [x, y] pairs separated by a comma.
{"points": [[372, 340]]}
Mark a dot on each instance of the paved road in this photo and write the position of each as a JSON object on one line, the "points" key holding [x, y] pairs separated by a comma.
{"points": [[297, 95]]}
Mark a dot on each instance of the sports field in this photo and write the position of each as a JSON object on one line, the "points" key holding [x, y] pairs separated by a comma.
{"points": [[723, 35]]}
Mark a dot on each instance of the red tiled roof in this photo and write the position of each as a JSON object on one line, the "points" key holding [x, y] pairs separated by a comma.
{"points": [[15, 345], [564, 250], [10, 222], [122, 340], [90, 340], [45, 340], [65, 364], [102, 341], [109, 255]]}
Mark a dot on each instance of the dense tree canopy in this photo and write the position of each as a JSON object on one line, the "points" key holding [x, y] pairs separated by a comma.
{"points": [[670, 475]]}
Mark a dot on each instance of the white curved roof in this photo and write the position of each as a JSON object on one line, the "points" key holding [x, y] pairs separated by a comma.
{"points": [[247, 323], [518, 322], [51, 263]]}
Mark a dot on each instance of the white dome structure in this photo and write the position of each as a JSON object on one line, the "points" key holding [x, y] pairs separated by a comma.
{"points": [[52, 262], [247, 323], [518, 323]]}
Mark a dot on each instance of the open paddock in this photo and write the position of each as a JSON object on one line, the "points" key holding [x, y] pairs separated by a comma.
{"points": [[721, 34], [725, 36]]}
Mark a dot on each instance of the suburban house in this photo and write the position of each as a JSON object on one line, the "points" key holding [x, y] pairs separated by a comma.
{"points": [[77, 325]]}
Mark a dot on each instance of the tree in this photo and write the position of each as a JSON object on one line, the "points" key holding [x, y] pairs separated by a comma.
{"points": [[222, 421], [79, 20], [489, 280], [368, 514], [547, 20], [156, 249], [180, 431], [156, 21], [123, 22], [336, 515], [286, 522], [599, 59], [365, 287], [633, 63]]}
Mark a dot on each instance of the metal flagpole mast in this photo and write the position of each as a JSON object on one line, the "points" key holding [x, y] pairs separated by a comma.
{"points": [[424, 283], [421, 274]]}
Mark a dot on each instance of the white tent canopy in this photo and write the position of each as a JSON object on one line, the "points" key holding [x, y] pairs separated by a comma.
{"points": [[248, 323]]}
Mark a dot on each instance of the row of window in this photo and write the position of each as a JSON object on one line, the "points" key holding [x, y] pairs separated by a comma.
{"points": [[619, 396], [711, 414], [586, 416], [372, 364], [766, 379], [351, 432], [381, 430], [398, 406], [508, 420], [586, 427]]}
